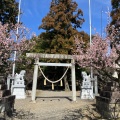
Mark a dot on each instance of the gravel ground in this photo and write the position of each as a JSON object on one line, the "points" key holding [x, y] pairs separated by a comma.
{"points": [[54, 105]]}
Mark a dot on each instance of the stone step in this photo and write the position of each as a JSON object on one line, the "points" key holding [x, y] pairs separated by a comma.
{"points": [[108, 110], [103, 99], [3, 86], [110, 88], [111, 115], [109, 84], [108, 107], [2, 80], [4, 93], [109, 94], [107, 100]]}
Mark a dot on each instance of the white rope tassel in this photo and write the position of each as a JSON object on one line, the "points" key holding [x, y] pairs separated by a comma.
{"points": [[52, 86], [44, 81], [61, 83]]}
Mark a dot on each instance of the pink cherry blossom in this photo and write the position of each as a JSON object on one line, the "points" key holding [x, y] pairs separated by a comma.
{"points": [[97, 55], [11, 41]]}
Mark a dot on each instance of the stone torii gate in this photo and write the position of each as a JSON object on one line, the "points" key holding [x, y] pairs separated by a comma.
{"points": [[37, 56]]}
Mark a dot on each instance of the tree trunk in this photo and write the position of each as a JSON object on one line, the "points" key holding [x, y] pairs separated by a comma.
{"points": [[67, 88]]}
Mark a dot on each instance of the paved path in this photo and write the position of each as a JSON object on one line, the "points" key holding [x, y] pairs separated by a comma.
{"points": [[53, 105]]}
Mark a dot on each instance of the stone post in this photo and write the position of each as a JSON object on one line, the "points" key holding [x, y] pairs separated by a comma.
{"points": [[96, 85], [8, 82]]}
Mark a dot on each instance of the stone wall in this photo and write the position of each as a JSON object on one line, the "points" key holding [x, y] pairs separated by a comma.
{"points": [[108, 103]]}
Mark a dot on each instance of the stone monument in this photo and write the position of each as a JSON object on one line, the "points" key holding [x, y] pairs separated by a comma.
{"points": [[18, 86], [86, 88]]}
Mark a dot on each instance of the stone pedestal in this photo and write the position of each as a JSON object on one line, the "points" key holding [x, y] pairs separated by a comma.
{"points": [[19, 91], [108, 103], [86, 88], [18, 87], [87, 93]]}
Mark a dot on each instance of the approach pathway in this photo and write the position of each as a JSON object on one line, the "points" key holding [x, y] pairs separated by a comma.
{"points": [[53, 105]]}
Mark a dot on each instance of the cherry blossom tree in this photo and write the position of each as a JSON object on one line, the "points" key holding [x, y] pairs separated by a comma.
{"points": [[103, 54], [11, 41], [99, 55]]}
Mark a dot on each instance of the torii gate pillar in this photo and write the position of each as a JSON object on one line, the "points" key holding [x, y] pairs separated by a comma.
{"points": [[34, 86], [73, 80]]}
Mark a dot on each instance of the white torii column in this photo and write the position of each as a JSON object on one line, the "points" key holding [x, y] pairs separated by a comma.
{"points": [[35, 80], [73, 78]]}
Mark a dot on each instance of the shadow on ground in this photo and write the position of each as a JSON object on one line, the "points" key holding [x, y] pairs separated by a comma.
{"points": [[86, 113], [20, 115], [24, 115]]}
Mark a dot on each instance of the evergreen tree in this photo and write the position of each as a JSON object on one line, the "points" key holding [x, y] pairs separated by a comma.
{"points": [[61, 25], [115, 13], [115, 23], [8, 11], [115, 31]]}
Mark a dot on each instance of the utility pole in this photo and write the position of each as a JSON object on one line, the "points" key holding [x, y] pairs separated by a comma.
{"points": [[101, 21], [13, 70], [91, 69], [90, 21]]}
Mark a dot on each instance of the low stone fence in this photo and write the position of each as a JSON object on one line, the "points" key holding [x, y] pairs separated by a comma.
{"points": [[7, 105], [108, 103], [108, 109]]}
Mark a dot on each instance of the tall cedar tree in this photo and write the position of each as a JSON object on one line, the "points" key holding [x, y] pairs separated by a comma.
{"points": [[115, 13], [61, 25], [8, 11]]}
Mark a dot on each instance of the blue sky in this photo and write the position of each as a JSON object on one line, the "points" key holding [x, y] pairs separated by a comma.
{"points": [[34, 10]]}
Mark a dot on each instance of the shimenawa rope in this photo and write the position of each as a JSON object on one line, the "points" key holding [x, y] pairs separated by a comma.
{"points": [[51, 80]]}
